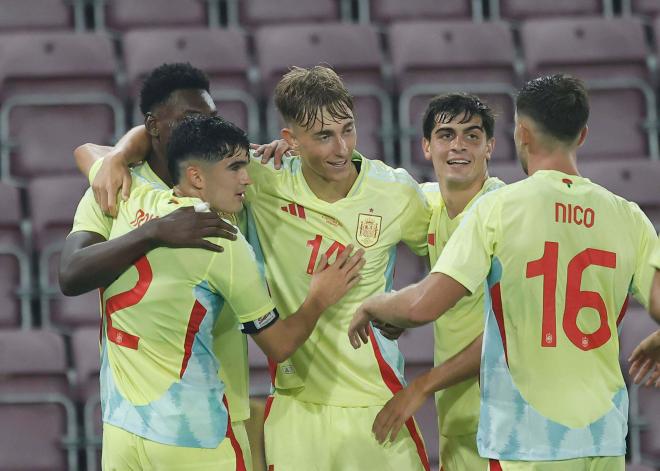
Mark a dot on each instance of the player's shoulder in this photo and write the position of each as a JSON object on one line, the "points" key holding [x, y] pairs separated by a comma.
{"points": [[379, 175]]}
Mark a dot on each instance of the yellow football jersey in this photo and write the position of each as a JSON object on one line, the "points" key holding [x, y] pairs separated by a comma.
{"points": [[291, 228], [230, 345], [655, 258], [560, 255], [458, 406]]}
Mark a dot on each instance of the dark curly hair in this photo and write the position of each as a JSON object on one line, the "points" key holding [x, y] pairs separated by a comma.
{"points": [[167, 78], [207, 138], [558, 103], [445, 108]]}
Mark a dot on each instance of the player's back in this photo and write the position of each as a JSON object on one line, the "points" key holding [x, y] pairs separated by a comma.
{"points": [[159, 372], [566, 253]]}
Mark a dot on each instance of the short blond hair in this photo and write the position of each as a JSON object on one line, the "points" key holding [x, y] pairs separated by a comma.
{"points": [[302, 94]]}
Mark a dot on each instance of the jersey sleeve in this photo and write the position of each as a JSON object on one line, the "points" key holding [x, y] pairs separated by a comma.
{"points": [[655, 256], [415, 219], [468, 254], [240, 283], [646, 247], [90, 218]]}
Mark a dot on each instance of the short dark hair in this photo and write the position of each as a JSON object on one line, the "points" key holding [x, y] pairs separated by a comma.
{"points": [[445, 108], [168, 78], [558, 103], [301, 94], [206, 138]]}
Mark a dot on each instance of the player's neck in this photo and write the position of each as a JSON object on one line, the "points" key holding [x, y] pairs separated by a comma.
{"points": [[329, 190], [559, 161], [456, 197], [158, 163]]}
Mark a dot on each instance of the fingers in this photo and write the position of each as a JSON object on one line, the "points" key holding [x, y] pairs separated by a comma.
{"points": [[379, 428], [322, 264], [343, 256], [126, 186], [205, 232], [644, 368], [205, 244], [255, 147], [281, 148], [396, 427], [353, 281], [353, 269]]}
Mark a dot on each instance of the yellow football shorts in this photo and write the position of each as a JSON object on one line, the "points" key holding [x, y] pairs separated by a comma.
{"points": [[125, 451], [458, 453], [596, 463], [300, 436]]}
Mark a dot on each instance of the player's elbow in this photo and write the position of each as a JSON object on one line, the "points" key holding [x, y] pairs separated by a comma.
{"points": [[68, 285], [281, 353], [654, 308]]}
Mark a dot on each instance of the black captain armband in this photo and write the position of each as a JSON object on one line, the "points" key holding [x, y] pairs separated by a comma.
{"points": [[257, 325]]}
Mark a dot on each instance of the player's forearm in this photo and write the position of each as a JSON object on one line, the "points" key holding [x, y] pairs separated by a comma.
{"points": [[134, 146], [298, 327], [87, 264], [462, 366], [86, 154]]}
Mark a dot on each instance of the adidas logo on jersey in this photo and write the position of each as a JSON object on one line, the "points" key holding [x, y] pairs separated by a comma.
{"points": [[295, 210]]}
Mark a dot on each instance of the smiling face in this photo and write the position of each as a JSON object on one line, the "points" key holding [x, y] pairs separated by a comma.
{"points": [[459, 151], [326, 148]]}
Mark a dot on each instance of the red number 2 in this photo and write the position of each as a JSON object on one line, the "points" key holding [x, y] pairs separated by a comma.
{"points": [[576, 299], [315, 244], [134, 296]]}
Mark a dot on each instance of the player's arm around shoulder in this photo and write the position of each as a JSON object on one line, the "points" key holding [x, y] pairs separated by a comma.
{"points": [[416, 211]]}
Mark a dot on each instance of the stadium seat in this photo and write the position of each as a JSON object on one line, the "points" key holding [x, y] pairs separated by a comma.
{"points": [[53, 202], [14, 263], [222, 54], [524, 9], [431, 58], [610, 55], [641, 7], [386, 11], [124, 15], [260, 12], [634, 179], [38, 428], [260, 380], [644, 422], [353, 51], [57, 90], [35, 15], [86, 364]]}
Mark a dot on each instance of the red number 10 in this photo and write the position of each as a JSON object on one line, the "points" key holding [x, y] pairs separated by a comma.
{"points": [[576, 299], [315, 244]]}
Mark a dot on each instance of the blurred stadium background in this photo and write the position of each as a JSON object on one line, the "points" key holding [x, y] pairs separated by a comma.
{"points": [[70, 71]]}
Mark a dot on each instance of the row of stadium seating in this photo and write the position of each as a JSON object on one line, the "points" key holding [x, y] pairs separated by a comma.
{"points": [[124, 15], [60, 89], [50, 409]]}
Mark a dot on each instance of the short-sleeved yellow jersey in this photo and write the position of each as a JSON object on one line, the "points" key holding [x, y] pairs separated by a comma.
{"points": [[291, 228], [561, 255], [458, 406], [655, 257]]}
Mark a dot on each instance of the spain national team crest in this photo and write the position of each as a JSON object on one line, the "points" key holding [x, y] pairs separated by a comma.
{"points": [[368, 229]]}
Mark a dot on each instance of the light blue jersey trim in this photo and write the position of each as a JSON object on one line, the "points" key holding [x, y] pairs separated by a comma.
{"points": [[389, 270], [511, 429], [191, 412]]}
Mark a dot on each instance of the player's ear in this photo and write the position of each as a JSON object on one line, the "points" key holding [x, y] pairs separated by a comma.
{"points": [[426, 148], [583, 136], [490, 147], [289, 136], [195, 176], [151, 124]]}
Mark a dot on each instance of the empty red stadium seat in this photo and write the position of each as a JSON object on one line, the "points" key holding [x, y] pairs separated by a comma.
{"points": [[222, 54], [14, 263], [523, 9], [58, 90], [641, 7], [431, 58], [123, 15], [395, 10], [26, 15], [353, 51], [610, 55], [37, 419], [260, 12], [53, 202]]}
